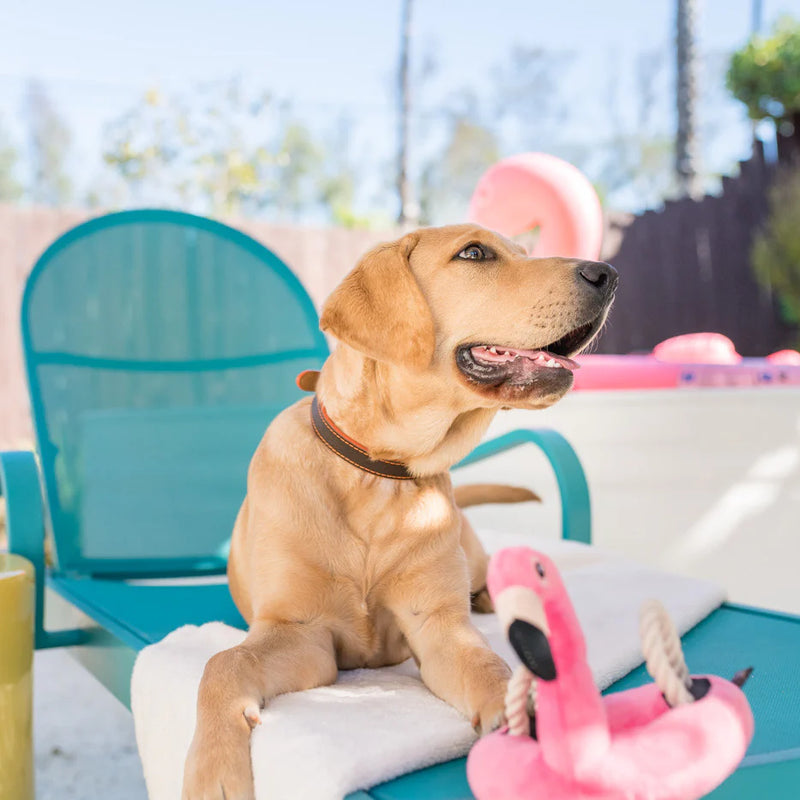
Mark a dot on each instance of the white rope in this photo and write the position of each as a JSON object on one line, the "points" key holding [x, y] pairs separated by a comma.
{"points": [[663, 654], [520, 701]]}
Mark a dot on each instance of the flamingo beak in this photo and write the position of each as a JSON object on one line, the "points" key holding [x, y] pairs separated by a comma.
{"points": [[533, 649], [522, 614]]}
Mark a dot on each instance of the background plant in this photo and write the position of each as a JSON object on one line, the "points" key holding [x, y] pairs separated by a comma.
{"points": [[776, 249], [765, 76]]}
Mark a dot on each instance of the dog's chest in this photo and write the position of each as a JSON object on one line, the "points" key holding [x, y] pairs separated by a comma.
{"points": [[388, 535], [370, 638], [392, 527]]}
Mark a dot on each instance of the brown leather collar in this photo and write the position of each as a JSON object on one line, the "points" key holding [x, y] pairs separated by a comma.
{"points": [[351, 451]]}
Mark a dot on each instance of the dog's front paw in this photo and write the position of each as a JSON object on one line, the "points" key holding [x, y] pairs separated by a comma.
{"points": [[492, 713], [218, 767]]}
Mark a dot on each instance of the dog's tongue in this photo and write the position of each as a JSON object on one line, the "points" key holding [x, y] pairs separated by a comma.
{"points": [[539, 358]]}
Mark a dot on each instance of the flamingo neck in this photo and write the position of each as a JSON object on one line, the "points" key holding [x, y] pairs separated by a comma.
{"points": [[570, 717]]}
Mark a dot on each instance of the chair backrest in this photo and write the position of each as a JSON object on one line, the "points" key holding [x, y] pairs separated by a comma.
{"points": [[159, 346]]}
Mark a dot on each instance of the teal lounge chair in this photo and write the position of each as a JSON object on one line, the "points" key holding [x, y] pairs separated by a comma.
{"points": [[158, 347]]}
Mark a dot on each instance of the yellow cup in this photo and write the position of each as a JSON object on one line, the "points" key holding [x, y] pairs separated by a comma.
{"points": [[16, 678]]}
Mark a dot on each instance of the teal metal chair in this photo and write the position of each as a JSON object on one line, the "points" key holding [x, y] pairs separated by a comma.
{"points": [[158, 347]]}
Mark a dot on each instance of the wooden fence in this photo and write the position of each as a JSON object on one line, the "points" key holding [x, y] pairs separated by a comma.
{"points": [[686, 268]]}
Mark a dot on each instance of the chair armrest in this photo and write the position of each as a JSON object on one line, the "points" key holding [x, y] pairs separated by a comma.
{"points": [[576, 511], [21, 487]]}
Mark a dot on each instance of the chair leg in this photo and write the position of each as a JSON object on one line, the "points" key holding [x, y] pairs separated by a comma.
{"points": [[16, 677]]}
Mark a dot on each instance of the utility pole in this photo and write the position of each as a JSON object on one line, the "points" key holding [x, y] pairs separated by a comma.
{"points": [[406, 215], [756, 15], [686, 145]]}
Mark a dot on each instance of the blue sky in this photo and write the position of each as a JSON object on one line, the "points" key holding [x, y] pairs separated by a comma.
{"points": [[98, 57]]}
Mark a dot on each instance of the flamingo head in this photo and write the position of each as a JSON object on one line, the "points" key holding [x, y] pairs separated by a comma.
{"points": [[528, 595]]}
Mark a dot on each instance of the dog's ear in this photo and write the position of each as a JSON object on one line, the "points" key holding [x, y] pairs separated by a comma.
{"points": [[379, 309]]}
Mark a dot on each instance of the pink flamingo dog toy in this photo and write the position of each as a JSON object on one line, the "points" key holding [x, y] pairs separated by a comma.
{"points": [[675, 739]]}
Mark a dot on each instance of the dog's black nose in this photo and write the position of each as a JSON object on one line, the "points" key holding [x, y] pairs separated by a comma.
{"points": [[601, 275]]}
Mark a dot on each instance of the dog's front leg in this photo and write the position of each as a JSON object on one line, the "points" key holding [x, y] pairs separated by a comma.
{"points": [[478, 565], [275, 658], [457, 664]]}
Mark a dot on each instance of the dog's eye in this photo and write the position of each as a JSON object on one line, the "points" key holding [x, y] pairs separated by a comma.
{"points": [[474, 252]]}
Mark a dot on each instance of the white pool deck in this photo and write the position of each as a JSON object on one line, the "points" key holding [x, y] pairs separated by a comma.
{"points": [[703, 482]]}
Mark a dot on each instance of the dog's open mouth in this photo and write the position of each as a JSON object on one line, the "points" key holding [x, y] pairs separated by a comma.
{"points": [[496, 364], [541, 358]]}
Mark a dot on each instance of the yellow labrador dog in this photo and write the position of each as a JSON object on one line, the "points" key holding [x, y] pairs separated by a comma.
{"points": [[335, 566]]}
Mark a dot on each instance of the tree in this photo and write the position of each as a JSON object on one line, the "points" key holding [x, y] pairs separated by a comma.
{"points": [[221, 150], [528, 99], [467, 132], [10, 188], [49, 143], [686, 145], [339, 184], [450, 177], [765, 76], [629, 158], [190, 150], [776, 249], [407, 212], [636, 159]]}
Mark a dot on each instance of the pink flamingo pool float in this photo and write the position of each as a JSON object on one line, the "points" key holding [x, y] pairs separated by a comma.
{"points": [[675, 739]]}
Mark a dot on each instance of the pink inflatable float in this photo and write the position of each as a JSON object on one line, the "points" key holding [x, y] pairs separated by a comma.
{"points": [[698, 348], [696, 359], [788, 357], [537, 190]]}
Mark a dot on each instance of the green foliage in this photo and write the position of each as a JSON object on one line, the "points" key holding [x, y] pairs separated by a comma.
{"points": [[10, 188], [638, 159], [448, 180], [49, 144], [221, 150], [765, 73], [528, 90], [776, 249]]}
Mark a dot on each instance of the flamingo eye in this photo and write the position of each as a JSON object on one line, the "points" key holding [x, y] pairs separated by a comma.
{"points": [[540, 570]]}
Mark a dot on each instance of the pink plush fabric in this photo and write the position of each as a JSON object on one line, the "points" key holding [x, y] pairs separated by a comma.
{"points": [[627, 746]]}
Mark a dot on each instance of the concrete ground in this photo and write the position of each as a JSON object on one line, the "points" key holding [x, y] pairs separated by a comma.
{"points": [[84, 743]]}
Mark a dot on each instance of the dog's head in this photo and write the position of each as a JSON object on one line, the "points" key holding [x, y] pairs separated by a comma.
{"points": [[466, 305]]}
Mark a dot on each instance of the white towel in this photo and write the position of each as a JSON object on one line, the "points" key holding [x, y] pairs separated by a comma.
{"points": [[373, 725]]}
